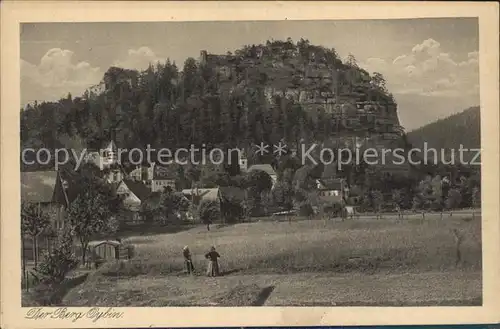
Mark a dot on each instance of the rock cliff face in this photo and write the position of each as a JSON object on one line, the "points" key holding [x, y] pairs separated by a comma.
{"points": [[315, 78]]}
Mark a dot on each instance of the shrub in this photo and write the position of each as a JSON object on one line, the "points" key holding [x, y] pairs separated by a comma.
{"points": [[454, 199], [436, 205], [58, 263], [305, 209], [332, 209]]}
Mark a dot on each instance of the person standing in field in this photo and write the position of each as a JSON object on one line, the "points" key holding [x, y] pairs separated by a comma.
{"points": [[187, 260], [213, 264]]}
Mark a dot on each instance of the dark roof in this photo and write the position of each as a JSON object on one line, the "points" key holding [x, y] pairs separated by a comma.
{"points": [[98, 243], [332, 184], [115, 145], [164, 172], [138, 188], [114, 185], [267, 168], [204, 193], [43, 187]]}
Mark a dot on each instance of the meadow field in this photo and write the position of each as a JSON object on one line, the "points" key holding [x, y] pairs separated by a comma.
{"points": [[314, 262]]}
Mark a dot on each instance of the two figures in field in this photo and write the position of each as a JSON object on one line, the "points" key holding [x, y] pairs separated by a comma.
{"points": [[212, 257]]}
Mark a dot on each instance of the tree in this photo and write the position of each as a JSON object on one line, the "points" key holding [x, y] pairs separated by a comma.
{"points": [[256, 183], [398, 198], [190, 77], [282, 195], [93, 211], [33, 222], [209, 212], [193, 173], [426, 194], [351, 60], [417, 202], [332, 209], [454, 199], [171, 202], [377, 199], [476, 197], [378, 81], [150, 208], [232, 208], [466, 191]]}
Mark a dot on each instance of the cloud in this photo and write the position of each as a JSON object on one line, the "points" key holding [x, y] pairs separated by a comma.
{"points": [[138, 59], [428, 70], [429, 46], [56, 75]]}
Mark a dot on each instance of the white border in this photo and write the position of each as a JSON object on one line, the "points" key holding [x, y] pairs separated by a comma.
{"points": [[13, 13]]}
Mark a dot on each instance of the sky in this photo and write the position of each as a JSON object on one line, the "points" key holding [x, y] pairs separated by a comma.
{"points": [[431, 65]]}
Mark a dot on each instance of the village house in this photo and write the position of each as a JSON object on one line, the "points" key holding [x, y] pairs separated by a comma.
{"points": [[197, 195], [114, 174], [243, 161], [105, 156], [107, 160], [333, 190], [134, 193], [162, 177], [48, 190], [136, 174]]}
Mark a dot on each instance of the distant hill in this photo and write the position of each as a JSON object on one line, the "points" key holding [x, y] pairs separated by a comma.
{"points": [[449, 133]]}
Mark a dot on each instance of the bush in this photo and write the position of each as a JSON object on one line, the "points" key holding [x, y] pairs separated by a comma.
{"points": [[454, 199], [333, 209], [57, 264], [305, 209], [436, 205]]}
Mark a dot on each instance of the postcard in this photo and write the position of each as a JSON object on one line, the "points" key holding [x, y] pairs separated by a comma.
{"points": [[187, 164]]}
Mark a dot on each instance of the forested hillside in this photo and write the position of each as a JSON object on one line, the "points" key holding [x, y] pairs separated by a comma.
{"points": [[277, 91], [449, 133]]}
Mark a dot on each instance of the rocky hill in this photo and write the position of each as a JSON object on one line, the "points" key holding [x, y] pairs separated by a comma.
{"points": [[278, 91], [315, 78]]}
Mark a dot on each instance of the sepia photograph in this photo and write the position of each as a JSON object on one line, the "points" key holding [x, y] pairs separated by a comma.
{"points": [[216, 171], [249, 163]]}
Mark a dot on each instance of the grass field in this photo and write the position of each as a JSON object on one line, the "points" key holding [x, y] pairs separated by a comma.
{"points": [[316, 262]]}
